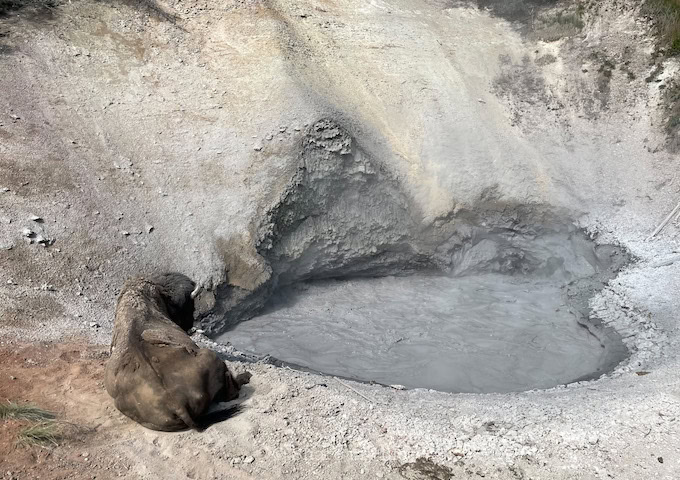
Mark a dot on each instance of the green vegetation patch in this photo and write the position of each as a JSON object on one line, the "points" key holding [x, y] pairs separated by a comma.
{"points": [[672, 102], [666, 16], [553, 25]]}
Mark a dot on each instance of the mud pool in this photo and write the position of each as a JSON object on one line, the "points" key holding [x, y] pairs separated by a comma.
{"points": [[479, 333]]}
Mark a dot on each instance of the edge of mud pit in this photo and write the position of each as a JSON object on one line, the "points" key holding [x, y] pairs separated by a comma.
{"points": [[342, 214]]}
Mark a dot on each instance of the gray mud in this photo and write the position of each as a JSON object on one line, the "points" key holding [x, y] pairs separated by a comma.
{"points": [[480, 333], [507, 311]]}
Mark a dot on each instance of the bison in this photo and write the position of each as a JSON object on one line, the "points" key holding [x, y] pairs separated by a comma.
{"points": [[156, 374]]}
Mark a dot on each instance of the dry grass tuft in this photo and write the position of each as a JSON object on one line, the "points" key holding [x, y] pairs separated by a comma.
{"points": [[43, 433], [24, 411]]}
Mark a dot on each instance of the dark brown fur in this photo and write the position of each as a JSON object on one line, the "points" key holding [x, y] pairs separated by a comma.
{"points": [[157, 375]]}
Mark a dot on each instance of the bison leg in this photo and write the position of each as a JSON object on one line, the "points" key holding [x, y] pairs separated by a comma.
{"points": [[232, 386]]}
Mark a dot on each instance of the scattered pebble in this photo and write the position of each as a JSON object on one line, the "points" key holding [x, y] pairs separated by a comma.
{"points": [[148, 228], [660, 459], [125, 233], [396, 386], [257, 148], [27, 232], [94, 325], [4, 190], [43, 240], [249, 459], [36, 218]]}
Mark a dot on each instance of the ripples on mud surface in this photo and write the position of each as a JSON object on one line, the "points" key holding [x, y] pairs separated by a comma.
{"points": [[479, 333]]}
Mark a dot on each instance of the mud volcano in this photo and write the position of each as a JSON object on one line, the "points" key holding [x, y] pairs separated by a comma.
{"points": [[352, 281]]}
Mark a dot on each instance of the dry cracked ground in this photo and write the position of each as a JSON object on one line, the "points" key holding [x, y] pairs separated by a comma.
{"points": [[140, 136]]}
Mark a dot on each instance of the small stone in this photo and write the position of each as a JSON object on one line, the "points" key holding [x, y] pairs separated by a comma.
{"points": [[84, 454], [249, 459], [269, 137], [593, 439], [27, 232], [257, 148], [148, 228], [236, 460], [44, 241], [12, 377], [396, 386], [94, 325], [10, 282], [4, 190], [36, 218], [282, 128], [198, 330], [125, 233], [660, 459]]}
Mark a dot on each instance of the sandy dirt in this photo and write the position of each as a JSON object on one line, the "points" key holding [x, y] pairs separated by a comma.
{"points": [[149, 141]]}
